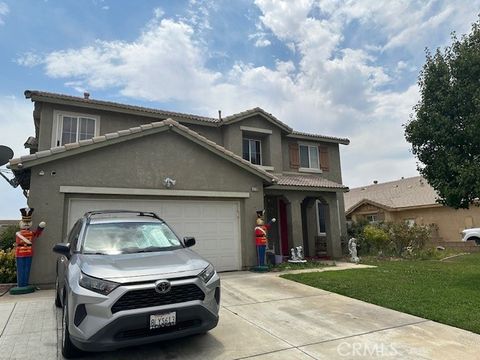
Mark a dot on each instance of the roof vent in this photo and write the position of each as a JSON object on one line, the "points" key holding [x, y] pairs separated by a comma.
{"points": [[220, 115], [375, 182], [86, 95]]}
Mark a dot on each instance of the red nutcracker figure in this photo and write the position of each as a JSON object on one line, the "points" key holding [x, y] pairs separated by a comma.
{"points": [[261, 237], [24, 240]]}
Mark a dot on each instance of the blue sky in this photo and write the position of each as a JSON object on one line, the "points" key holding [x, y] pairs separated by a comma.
{"points": [[341, 68]]}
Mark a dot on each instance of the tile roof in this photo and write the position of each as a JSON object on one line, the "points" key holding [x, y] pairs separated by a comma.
{"points": [[403, 193], [344, 141], [168, 114], [44, 95], [307, 181], [256, 110], [49, 155]]}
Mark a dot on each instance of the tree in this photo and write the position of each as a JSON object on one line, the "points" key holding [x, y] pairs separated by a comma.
{"points": [[444, 130]]}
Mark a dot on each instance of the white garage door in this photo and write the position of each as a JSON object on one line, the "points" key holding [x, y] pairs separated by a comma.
{"points": [[214, 224]]}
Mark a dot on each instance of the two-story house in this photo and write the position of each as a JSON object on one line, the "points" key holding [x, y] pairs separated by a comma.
{"points": [[90, 155]]}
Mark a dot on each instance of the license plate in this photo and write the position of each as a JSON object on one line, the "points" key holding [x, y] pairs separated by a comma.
{"points": [[163, 320]]}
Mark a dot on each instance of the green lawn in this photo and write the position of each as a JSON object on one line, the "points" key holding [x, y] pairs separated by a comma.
{"points": [[444, 291]]}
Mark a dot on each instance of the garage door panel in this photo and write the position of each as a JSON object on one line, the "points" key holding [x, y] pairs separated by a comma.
{"points": [[214, 224], [194, 211]]}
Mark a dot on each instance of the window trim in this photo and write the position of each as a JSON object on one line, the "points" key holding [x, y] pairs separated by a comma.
{"points": [[57, 125], [317, 204], [309, 168], [249, 152], [410, 222]]}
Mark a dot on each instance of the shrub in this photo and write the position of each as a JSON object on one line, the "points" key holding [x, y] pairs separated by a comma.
{"points": [[355, 228], [7, 237], [8, 270], [376, 238], [406, 239]]}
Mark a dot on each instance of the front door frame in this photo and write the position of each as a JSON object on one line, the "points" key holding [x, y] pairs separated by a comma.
{"points": [[283, 226]]}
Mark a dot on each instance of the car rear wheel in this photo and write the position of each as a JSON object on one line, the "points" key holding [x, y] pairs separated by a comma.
{"points": [[69, 350]]}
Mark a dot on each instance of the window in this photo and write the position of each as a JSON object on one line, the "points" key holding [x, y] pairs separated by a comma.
{"points": [[321, 218], [71, 128], [372, 218], [73, 235], [309, 157], [410, 222], [132, 237], [252, 151]]}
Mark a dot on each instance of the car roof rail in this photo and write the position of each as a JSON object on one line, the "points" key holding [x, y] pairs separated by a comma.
{"points": [[90, 214]]}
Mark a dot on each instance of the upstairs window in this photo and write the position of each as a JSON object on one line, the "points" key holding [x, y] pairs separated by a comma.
{"points": [[252, 151], [72, 128], [309, 157]]}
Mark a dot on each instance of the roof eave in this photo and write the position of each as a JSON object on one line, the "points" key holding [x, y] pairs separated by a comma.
{"points": [[235, 118], [389, 208], [319, 138], [97, 105], [306, 188]]}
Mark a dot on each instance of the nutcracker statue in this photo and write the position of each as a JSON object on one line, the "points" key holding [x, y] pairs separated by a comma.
{"points": [[23, 251], [261, 238]]}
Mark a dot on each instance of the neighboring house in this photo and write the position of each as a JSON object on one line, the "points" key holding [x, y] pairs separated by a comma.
{"points": [[89, 155], [7, 223], [413, 201]]}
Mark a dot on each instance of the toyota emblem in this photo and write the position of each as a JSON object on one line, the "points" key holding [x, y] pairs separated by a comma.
{"points": [[162, 286]]}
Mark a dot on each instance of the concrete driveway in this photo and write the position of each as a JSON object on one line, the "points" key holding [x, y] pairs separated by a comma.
{"points": [[262, 317]]}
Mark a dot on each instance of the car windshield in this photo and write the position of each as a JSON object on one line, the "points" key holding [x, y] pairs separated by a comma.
{"points": [[129, 237]]}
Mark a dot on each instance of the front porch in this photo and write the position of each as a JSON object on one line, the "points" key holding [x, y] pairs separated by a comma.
{"points": [[314, 220]]}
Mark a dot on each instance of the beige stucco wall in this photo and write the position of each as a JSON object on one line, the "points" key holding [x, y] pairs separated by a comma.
{"points": [[450, 222]]}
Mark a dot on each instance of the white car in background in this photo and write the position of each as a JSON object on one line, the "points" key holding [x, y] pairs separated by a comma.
{"points": [[471, 234]]}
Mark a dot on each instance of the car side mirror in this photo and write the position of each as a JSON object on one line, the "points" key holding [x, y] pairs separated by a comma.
{"points": [[189, 241], [62, 249]]}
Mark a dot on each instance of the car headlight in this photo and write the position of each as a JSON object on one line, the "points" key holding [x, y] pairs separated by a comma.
{"points": [[100, 286], [207, 273]]}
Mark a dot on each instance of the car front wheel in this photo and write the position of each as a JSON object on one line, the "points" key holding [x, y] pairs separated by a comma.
{"points": [[58, 303], [69, 350]]}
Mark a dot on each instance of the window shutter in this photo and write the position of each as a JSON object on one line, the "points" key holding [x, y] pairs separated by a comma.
{"points": [[324, 160], [294, 155]]}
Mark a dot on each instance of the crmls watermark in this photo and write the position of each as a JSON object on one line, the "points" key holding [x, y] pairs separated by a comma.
{"points": [[365, 349]]}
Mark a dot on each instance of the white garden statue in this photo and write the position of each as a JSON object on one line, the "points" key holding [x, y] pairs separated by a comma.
{"points": [[352, 249], [297, 255]]}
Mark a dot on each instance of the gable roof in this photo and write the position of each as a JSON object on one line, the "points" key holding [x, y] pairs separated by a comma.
{"points": [[394, 195], [44, 156], [256, 111], [63, 99]]}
